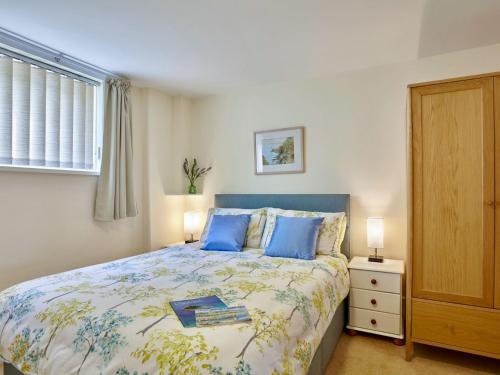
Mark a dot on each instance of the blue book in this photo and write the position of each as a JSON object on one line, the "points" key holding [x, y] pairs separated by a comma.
{"points": [[185, 309]]}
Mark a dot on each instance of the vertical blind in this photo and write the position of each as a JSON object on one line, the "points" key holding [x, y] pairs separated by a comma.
{"points": [[46, 118]]}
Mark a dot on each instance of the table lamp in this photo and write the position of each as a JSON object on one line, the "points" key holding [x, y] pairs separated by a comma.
{"points": [[375, 237], [191, 221]]}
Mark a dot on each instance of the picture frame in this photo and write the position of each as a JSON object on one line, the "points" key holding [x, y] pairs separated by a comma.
{"points": [[279, 151]]}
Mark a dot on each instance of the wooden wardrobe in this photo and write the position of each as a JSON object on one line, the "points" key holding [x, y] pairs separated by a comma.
{"points": [[453, 286]]}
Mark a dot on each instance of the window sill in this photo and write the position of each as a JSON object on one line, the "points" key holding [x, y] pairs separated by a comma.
{"points": [[32, 169]]}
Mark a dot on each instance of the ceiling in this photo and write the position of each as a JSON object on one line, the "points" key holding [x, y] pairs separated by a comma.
{"points": [[199, 47]]}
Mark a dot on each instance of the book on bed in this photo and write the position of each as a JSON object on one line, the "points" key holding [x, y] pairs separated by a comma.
{"points": [[185, 309], [222, 316]]}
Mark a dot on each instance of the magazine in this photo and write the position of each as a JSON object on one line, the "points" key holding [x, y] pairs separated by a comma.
{"points": [[185, 309], [220, 316]]}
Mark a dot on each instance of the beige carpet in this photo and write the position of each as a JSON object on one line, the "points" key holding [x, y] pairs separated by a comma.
{"points": [[367, 355]]}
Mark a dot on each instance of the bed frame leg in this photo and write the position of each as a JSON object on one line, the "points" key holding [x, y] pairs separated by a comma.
{"points": [[1, 368]]}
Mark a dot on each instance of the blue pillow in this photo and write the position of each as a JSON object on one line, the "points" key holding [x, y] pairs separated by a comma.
{"points": [[294, 237], [226, 232]]}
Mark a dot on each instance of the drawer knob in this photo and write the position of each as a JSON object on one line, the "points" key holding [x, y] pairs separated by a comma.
{"points": [[374, 282], [373, 301], [373, 322]]}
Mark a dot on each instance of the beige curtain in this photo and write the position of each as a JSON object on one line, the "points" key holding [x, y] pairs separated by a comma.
{"points": [[115, 189]]}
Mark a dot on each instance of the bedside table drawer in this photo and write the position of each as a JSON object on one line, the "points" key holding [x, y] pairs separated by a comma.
{"points": [[379, 281], [374, 320], [377, 301]]}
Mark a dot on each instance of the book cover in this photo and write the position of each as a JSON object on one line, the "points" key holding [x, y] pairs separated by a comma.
{"points": [[217, 316], [185, 309]]}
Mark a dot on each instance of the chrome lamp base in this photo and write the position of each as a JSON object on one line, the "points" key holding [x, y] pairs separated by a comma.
{"points": [[376, 258]]}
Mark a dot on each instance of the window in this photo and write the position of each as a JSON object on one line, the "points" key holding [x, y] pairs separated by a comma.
{"points": [[48, 116]]}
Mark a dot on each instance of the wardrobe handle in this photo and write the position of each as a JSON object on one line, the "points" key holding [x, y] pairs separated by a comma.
{"points": [[374, 282], [373, 301], [491, 203], [373, 322]]}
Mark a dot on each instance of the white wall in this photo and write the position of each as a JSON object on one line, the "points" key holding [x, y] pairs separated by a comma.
{"points": [[47, 225], [355, 143], [46, 220], [355, 137], [166, 134]]}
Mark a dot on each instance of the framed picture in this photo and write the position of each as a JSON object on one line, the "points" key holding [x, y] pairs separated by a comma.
{"points": [[279, 151]]}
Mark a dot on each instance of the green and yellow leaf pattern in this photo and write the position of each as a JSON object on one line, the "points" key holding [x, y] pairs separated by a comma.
{"points": [[116, 318]]}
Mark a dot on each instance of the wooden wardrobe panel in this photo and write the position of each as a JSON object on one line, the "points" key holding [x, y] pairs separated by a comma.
{"points": [[453, 192], [497, 192], [460, 327]]}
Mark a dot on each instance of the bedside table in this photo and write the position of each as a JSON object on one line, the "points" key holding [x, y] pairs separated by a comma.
{"points": [[376, 298]]}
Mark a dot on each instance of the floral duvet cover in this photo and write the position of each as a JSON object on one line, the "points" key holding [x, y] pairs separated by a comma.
{"points": [[115, 318]]}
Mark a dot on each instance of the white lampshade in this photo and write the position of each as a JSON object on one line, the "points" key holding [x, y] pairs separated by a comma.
{"points": [[191, 222], [375, 232]]}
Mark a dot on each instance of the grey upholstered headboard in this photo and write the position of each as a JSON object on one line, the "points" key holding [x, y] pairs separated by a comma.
{"points": [[304, 202]]}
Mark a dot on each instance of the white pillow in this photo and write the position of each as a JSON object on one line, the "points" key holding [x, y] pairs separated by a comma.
{"points": [[331, 233], [255, 227]]}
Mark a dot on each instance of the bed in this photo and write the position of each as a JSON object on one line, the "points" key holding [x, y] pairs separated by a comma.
{"points": [[115, 318]]}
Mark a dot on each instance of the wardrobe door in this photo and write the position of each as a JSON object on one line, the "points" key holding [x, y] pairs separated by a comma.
{"points": [[453, 185], [497, 191]]}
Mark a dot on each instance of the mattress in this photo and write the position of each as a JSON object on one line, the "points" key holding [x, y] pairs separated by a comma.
{"points": [[115, 318]]}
